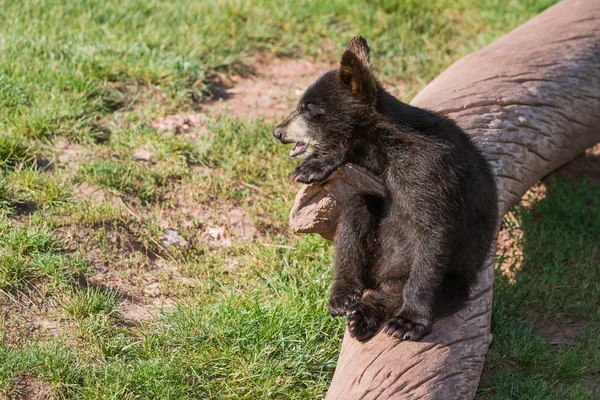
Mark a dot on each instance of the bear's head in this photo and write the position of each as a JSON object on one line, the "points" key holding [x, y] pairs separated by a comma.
{"points": [[333, 106]]}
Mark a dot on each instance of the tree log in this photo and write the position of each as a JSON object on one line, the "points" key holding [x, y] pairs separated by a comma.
{"points": [[531, 103]]}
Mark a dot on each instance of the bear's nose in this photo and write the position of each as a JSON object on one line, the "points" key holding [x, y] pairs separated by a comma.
{"points": [[277, 133]]}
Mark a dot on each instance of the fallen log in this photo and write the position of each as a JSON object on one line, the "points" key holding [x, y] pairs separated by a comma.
{"points": [[531, 102]]}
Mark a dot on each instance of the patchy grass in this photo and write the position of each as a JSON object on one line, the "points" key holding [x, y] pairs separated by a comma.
{"points": [[31, 255], [90, 302], [546, 321], [91, 186]]}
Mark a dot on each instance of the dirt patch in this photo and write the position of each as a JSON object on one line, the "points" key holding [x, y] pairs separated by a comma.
{"points": [[93, 193], [273, 88], [136, 97], [144, 155], [29, 318], [557, 331], [144, 291], [69, 154], [143, 267], [143, 270], [241, 224], [217, 234], [509, 250], [30, 387], [180, 124], [189, 215], [271, 91], [217, 224], [119, 256], [141, 312]]}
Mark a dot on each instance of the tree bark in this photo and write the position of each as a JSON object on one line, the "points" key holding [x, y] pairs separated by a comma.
{"points": [[531, 102]]}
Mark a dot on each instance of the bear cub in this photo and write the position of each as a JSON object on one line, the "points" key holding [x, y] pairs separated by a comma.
{"points": [[410, 256]]}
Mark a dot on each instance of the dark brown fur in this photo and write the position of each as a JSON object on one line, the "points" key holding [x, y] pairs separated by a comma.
{"points": [[414, 254]]}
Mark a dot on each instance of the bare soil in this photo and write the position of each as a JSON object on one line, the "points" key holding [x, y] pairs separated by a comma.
{"points": [[271, 91], [28, 318], [69, 154], [29, 387], [180, 123]]}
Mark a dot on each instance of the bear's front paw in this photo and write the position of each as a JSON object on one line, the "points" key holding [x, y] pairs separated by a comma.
{"points": [[405, 329], [340, 302], [310, 171], [363, 321]]}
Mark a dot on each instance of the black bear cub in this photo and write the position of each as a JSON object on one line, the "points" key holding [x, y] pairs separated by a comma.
{"points": [[413, 255]]}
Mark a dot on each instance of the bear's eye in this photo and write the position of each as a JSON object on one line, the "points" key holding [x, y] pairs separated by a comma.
{"points": [[312, 110], [308, 106]]}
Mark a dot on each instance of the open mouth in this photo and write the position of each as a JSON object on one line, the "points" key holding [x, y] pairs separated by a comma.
{"points": [[298, 149]]}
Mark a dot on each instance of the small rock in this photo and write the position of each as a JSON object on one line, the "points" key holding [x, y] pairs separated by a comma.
{"points": [[142, 154], [173, 238], [215, 235], [152, 290], [216, 232]]}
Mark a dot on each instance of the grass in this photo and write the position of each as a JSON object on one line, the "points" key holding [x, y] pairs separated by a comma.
{"points": [[29, 254], [557, 286], [81, 240], [90, 302]]}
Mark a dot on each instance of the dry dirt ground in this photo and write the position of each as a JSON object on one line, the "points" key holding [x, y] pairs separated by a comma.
{"points": [[270, 90]]}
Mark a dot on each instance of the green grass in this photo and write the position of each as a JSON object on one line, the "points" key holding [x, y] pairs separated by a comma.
{"points": [[90, 302], [247, 320], [30, 255], [559, 283]]}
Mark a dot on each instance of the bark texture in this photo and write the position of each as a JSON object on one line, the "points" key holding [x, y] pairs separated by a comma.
{"points": [[531, 102]]}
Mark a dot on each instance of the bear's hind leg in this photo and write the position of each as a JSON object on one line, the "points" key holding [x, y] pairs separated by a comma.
{"points": [[355, 251], [366, 316]]}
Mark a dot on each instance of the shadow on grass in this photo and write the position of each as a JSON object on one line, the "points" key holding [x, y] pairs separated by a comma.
{"points": [[546, 322]]}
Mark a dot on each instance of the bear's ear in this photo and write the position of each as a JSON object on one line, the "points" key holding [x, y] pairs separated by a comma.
{"points": [[355, 71], [360, 48]]}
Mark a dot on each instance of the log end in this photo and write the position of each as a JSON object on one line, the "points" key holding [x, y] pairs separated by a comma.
{"points": [[317, 206]]}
